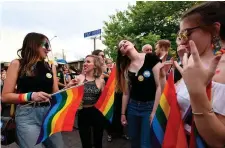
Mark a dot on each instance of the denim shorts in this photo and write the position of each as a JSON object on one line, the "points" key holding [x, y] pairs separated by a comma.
{"points": [[28, 125]]}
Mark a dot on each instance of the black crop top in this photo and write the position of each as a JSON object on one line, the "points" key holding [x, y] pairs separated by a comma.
{"points": [[42, 81], [143, 87], [91, 93]]}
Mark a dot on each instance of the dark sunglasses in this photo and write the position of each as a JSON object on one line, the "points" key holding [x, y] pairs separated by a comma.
{"points": [[183, 35], [45, 45]]}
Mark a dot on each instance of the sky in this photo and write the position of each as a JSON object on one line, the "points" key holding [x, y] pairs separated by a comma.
{"points": [[68, 20]]}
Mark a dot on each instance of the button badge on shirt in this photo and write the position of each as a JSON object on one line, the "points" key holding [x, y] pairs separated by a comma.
{"points": [[48, 75], [140, 78], [147, 74]]}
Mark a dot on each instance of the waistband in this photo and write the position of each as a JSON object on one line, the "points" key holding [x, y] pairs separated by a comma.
{"points": [[140, 102], [36, 104]]}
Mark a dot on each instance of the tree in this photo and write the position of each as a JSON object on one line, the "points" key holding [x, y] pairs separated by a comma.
{"points": [[145, 22]]}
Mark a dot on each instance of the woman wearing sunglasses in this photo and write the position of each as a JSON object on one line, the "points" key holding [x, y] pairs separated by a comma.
{"points": [[35, 80], [202, 37], [138, 79]]}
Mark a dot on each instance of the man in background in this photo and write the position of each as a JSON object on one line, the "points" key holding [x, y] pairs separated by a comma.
{"points": [[147, 48]]}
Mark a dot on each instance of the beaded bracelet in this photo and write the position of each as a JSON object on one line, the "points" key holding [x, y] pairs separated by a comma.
{"points": [[194, 113], [25, 97]]}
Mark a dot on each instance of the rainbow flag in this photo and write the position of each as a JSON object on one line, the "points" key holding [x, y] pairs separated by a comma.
{"points": [[60, 116], [106, 100], [167, 129]]}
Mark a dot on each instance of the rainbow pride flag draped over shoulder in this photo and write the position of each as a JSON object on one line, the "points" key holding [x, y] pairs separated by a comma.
{"points": [[106, 100], [167, 129], [60, 116]]}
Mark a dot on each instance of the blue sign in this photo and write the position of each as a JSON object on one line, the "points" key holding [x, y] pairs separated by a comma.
{"points": [[92, 33]]}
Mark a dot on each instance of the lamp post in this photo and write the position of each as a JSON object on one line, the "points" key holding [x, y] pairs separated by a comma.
{"points": [[53, 37], [50, 41]]}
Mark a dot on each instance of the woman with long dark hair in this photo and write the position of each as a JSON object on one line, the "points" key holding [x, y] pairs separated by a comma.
{"points": [[35, 80], [138, 78], [202, 33]]}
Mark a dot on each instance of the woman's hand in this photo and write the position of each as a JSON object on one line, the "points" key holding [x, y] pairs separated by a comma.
{"points": [[181, 49], [123, 120], [40, 97], [165, 68], [195, 75], [72, 82], [151, 117]]}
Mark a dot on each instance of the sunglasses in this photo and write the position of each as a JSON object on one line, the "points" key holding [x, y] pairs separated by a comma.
{"points": [[45, 45], [183, 35]]}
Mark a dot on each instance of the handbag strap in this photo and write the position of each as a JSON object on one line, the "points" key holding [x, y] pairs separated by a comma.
{"points": [[12, 111]]}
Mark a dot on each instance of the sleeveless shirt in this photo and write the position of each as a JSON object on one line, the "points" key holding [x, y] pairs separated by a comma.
{"points": [[41, 81], [91, 93]]}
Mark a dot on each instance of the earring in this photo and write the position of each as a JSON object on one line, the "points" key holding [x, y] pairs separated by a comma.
{"points": [[216, 44]]}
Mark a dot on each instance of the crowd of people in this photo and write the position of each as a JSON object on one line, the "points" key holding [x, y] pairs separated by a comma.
{"points": [[141, 78]]}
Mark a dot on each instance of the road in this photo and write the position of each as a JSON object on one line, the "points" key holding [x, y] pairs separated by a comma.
{"points": [[72, 140]]}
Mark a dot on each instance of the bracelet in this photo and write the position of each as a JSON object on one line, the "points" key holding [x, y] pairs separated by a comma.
{"points": [[25, 97], [198, 114]]}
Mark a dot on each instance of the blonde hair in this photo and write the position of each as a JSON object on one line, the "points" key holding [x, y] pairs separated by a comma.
{"points": [[98, 65]]}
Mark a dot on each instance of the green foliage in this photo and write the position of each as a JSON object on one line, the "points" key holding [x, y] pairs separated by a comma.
{"points": [[145, 23]]}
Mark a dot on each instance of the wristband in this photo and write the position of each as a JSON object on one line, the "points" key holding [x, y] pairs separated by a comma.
{"points": [[25, 97]]}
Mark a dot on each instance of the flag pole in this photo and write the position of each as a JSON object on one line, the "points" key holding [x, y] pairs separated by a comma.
{"points": [[68, 88]]}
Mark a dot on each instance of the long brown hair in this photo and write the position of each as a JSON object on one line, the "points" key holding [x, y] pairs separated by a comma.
{"points": [[122, 63], [98, 65], [208, 13], [29, 54]]}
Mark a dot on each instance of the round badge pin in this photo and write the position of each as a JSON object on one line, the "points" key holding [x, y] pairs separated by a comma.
{"points": [[48, 75], [147, 74], [140, 78]]}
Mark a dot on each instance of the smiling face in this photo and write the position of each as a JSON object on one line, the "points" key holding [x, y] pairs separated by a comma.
{"points": [[125, 47], [88, 65], [44, 49]]}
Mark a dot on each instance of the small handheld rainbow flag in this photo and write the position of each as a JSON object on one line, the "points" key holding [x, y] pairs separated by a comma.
{"points": [[167, 129], [106, 100], [60, 116]]}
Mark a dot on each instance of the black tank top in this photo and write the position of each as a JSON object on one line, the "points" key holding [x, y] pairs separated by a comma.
{"points": [[41, 81], [143, 87], [91, 93]]}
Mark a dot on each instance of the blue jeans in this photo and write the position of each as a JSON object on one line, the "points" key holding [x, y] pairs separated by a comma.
{"points": [[138, 114], [28, 124]]}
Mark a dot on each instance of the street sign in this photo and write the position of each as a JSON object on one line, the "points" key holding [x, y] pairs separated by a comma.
{"points": [[92, 33]]}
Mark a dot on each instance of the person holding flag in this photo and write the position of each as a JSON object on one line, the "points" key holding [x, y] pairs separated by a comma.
{"points": [[89, 116], [35, 79], [200, 93]]}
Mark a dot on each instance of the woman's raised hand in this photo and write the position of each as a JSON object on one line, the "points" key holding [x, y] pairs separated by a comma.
{"points": [[194, 73]]}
